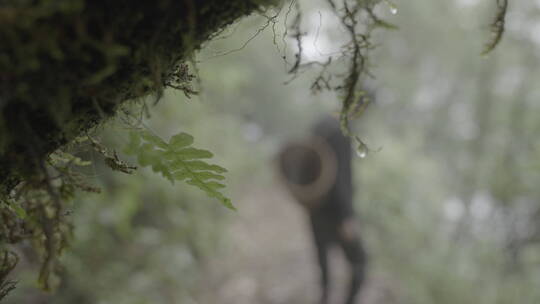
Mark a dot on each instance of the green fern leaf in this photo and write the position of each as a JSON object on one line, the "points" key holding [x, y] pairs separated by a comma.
{"points": [[200, 165], [181, 140], [177, 160], [215, 185], [158, 142], [191, 153]]}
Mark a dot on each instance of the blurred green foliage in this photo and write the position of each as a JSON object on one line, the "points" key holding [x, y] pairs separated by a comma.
{"points": [[449, 203]]}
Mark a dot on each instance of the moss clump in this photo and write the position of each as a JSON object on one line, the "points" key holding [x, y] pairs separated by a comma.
{"points": [[66, 65]]}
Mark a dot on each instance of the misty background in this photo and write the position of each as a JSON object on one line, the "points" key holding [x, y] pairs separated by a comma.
{"points": [[448, 195]]}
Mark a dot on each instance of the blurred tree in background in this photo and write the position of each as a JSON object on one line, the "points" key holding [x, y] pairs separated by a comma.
{"points": [[451, 198]]}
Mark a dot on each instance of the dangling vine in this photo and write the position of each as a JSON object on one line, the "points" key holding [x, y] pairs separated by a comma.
{"points": [[497, 26], [359, 20]]}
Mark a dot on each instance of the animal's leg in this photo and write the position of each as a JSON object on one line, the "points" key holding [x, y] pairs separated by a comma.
{"points": [[322, 244], [351, 243]]}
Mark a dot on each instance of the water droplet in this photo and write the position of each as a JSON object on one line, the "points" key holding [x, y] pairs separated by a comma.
{"points": [[392, 6], [361, 154], [361, 150]]}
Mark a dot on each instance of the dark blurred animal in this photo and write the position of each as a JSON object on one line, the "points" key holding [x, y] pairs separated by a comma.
{"points": [[317, 172]]}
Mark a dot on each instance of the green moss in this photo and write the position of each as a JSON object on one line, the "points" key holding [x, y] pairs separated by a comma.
{"points": [[66, 65]]}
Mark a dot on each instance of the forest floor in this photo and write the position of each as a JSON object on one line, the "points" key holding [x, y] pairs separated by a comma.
{"points": [[270, 258]]}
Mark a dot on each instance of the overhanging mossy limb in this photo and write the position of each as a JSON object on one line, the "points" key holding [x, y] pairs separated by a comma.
{"points": [[66, 65]]}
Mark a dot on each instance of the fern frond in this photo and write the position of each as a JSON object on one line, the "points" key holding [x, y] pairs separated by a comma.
{"points": [[177, 160]]}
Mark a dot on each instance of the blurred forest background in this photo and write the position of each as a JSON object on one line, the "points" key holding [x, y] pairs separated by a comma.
{"points": [[449, 204]]}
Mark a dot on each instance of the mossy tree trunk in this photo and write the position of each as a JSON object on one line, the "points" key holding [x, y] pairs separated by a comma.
{"points": [[66, 65]]}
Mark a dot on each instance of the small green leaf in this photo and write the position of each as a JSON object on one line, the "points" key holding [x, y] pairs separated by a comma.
{"points": [[215, 185], [154, 139], [148, 156], [164, 170], [193, 153], [200, 165], [168, 175], [227, 203], [196, 165], [180, 141], [181, 175], [209, 175], [212, 192]]}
